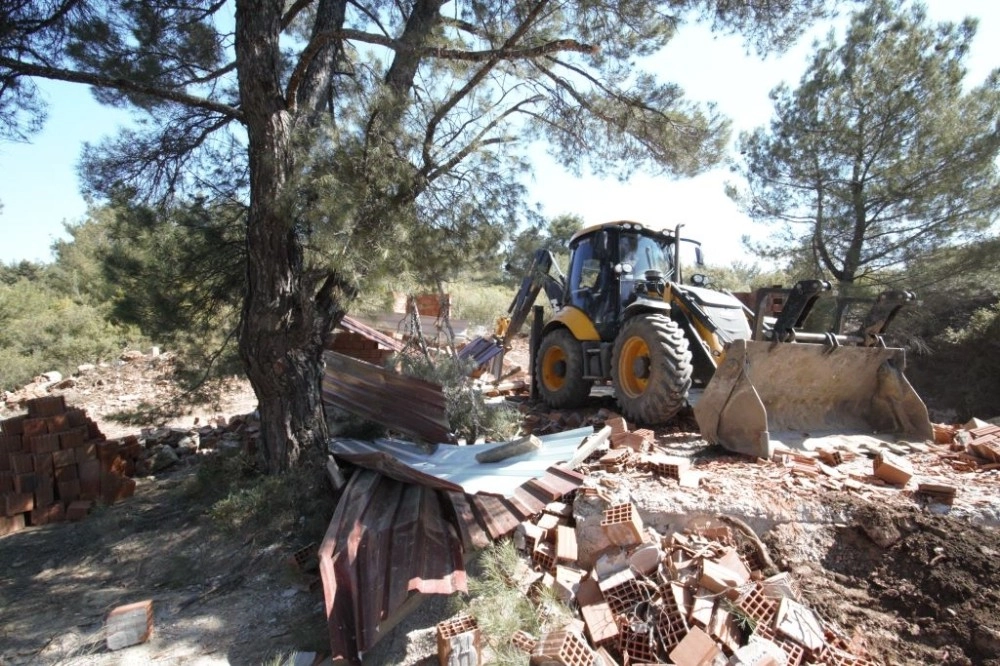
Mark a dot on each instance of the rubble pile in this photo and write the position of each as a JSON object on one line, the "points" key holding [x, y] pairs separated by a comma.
{"points": [[55, 464], [696, 597], [164, 447]]}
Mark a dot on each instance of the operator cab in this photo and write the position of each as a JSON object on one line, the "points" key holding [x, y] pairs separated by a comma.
{"points": [[606, 262]]}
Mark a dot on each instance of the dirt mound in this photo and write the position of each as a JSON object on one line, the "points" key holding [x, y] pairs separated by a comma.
{"points": [[920, 588]]}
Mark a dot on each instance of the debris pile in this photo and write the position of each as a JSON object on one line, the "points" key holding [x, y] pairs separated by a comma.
{"points": [[697, 597], [974, 447], [55, 464]]}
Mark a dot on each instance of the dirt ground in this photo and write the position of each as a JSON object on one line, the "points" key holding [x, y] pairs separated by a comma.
{"points": [[928, 597], [915, 587]]}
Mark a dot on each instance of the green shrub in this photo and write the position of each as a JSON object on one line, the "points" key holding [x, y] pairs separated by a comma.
{"points": [[500, 606], [468, 413], [480, 304], [41, 330], [244, 500]]}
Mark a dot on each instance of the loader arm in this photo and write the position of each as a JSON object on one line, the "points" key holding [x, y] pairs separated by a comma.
{"points": [[539, 276]]}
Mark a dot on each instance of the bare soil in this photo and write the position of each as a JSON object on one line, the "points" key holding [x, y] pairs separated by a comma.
{"points": [[930, 597], [916, 588]]}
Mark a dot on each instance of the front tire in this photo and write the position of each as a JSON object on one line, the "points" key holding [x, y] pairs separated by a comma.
{"points": [[651, 369], [559, 371]]}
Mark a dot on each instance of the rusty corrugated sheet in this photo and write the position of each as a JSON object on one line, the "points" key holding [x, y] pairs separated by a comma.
{"points": [[387, 542], [353, 325], [402, 403]]}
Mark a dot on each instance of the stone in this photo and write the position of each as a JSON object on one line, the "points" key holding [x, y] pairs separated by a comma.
{"points": [[188, 445], [164, 458]]}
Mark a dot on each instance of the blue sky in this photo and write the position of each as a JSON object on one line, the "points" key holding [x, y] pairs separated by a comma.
{"points": [[39, 190]]}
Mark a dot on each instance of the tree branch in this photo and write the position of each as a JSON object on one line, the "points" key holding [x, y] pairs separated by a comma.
{"points": [[323, 38], [124, 85]]}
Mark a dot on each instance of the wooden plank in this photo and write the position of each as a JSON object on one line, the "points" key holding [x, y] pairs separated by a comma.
{"points": [[591, 444]]}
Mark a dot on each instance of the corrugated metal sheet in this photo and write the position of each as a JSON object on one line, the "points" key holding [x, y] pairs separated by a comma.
{"points": [[480, 350], [402, 525], [402, 403], [355, 326], [387, 542], [457, 466]]}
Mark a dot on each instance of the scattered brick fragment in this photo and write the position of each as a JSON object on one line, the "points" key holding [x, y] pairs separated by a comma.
{"points": [[129, 625]]}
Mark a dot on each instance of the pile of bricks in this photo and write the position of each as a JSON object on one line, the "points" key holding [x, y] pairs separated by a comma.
{"points": [[694, 598], [976, 447], [358, 346], [55, 464], [636, 450]]}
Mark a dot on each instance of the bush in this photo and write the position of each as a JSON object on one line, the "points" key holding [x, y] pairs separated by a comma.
{"points": [[468, 414], [501, 608], [481, 304], [41, 330], [244, 500]]}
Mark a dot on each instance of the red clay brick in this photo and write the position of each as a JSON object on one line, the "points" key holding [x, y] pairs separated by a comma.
{"points": [[78, 510], [43, 515], [566, 550], [77, 417], [44, 465], [11, 524], [459, 640], [544, 556], [108, 450], [6, 482], [617, 425], [696, 649], [600, 623], [563, 647], [88, 451], [49, 405], [622, 525], [524, 641], [129, 625], [25, 483], [22, 463], [69, 491], [66, 473], [57, 424], [43, 443], [33, 427], [90, 479], [892, 469], [72, 438], [14, 425], [11, 443], [63, 457], [45, 491], [623, 593], [14, 503]]}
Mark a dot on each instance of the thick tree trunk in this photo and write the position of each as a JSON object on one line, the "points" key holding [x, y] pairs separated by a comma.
{"points": [[281, 335]]}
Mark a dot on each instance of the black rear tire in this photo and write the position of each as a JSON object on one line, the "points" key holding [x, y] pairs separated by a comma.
{"points": [[651, 369], [559, 371]]}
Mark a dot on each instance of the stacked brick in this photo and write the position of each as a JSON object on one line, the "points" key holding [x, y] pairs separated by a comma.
{"points": [[55, 464], [691, 599], [358, 346]]}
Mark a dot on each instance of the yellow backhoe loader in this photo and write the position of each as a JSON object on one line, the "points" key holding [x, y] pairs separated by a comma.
{"points": [[623, 316]]}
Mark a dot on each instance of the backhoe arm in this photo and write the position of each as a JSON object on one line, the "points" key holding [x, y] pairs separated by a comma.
{"points": [[538, 277]]}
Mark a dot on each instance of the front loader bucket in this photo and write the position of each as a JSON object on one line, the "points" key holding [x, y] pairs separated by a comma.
{"points": [[805, 395]]}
